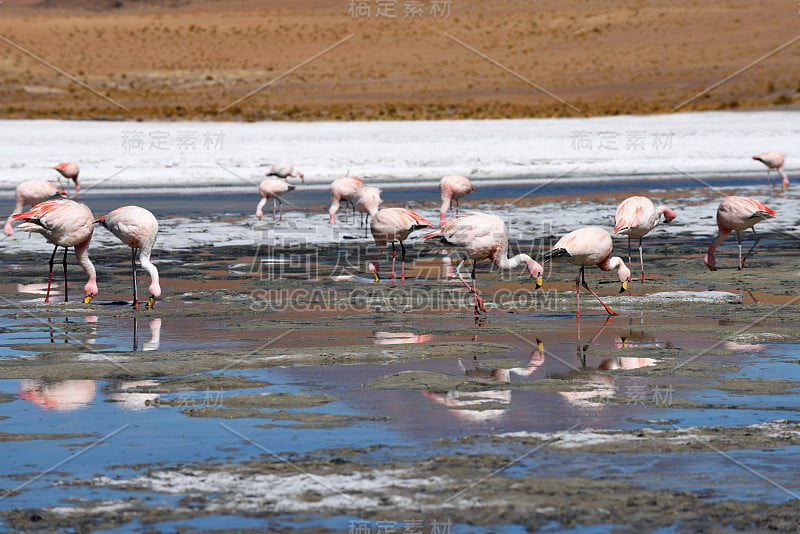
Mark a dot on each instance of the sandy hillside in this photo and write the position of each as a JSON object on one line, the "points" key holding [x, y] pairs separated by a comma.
{"points": [[402, 59]]}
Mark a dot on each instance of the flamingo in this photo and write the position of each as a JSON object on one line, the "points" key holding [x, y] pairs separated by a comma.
{"points": [[272, 188], [482, 236], [70, 171], [394, 224], [737, 213], [367, 200], [137, 228], [30, 193], [774, 160], [585, 247], [342, 189], [636, 216], [285, 171], [452, 187], [64, 223]]}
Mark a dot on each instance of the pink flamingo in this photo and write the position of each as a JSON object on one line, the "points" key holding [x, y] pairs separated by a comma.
{"points": [[137, 228], [64, 223], [285, 171], [585, 247], [482, 236], [774, 160], [342, 189], [272, 188], [30, 193], [452, 187], [70, 171], [636, 216], [394, 224], [737, 213], [366, 200]]}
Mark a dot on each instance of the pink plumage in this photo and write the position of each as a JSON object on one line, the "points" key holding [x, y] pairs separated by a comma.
{"points": [[342, 189], [137, 228], [452, 187], [774, 160], [30, 193], [64, 223], [272, 188], [737, 214], [70, 171], [480, 236], [636, 216], [391, 225], [586, 247], [285, 170]]}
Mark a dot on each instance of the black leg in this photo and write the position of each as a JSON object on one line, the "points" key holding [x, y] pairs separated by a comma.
{"points": [[50, 276], [66, 290], [133, 274]]}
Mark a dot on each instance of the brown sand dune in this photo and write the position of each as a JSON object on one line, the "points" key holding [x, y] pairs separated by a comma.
{"points": [[432, 59]]}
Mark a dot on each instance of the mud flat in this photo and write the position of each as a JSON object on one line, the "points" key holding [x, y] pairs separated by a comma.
{"points": [[321, 403]]}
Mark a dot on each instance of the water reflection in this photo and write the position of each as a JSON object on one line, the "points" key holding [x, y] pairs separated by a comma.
{"points": [[61, 396], [154, 342], [135, 400], [396, 338]]}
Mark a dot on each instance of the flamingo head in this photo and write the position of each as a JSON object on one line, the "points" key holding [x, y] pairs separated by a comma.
{"points": [[624, 275], [302, 176], [536, 270], [373, 268], [669, 214], [90, 291]]}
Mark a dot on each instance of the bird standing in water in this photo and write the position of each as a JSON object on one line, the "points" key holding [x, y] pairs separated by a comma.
{"points": [[482, 236], [636, 216], [64, 223], [137, 228], [737, 214], [585, 247]]}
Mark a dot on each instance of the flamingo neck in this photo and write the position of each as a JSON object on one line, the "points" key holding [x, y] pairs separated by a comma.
{"points": [[144, 260], [668, 213], [82, 255], [709, 259], [446, 199], [259, 210], [616, 263]]}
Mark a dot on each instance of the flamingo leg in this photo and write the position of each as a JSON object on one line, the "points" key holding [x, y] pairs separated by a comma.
{"points": [[739, 239], [641, 259], [280, 208], [394, 257], [135, 336], [586, 286], [402, 263], [629, 250], [50, 276], [479, 306], [133, 275], [64, 263], [472, 289], [758, 238], [578, 299]]}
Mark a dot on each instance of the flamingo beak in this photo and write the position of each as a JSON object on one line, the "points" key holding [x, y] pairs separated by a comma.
{"points": [[539, 282], [302, 177], [87, 299], [376, 277], [624, 287], [260, 217], [151, 302], [540, 346]]}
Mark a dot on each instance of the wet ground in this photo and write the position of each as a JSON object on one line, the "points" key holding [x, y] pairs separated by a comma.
{"points": [[275, 387]]}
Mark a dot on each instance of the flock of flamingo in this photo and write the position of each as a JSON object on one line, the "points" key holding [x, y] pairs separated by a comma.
{"points": [[476, 236]]}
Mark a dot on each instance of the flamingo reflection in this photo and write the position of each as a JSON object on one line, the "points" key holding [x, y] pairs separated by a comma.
{"points": [[133, 395], [155, 335], [61, 396], [397, 338]]}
